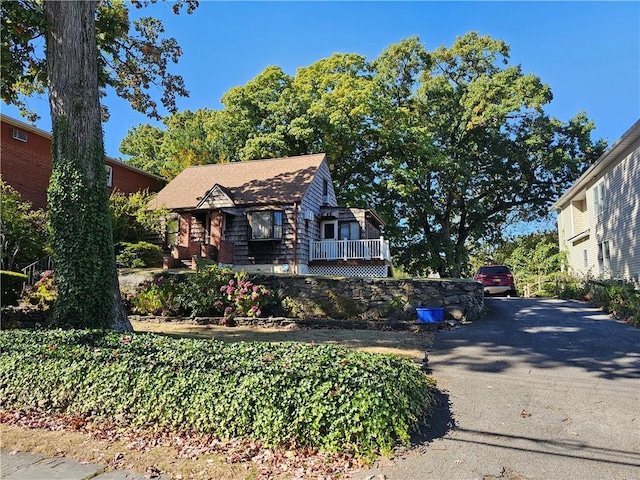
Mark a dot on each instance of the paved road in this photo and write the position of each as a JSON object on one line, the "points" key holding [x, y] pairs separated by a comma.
{"points": [[538, 389]]}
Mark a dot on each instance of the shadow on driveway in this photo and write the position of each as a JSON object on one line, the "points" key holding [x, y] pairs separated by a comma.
{"points": [[543, 333]]}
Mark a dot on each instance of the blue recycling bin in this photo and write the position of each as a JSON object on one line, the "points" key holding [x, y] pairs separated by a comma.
{"points": [[430, 314]]}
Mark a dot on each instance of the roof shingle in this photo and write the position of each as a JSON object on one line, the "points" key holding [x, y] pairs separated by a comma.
{"points": [[254, 182]]}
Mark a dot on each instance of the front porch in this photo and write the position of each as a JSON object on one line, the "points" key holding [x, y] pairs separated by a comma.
{"points": [[367, 249], [357, 258]]}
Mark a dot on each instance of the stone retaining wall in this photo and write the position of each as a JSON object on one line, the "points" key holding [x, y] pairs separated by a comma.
{"points": [[372, 298]]}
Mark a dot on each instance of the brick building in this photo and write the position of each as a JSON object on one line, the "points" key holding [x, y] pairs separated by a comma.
{"points": [[25, 164]]}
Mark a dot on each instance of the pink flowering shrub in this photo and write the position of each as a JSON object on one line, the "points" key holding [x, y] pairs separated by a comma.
{"points": [[212, 291], [243, 299]]}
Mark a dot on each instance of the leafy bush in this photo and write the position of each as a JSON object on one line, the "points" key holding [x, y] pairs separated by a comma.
{"points": [[243, 298], [322, 396], [211, 291], [43, 293], [131, 220], [616, 297], [620, 299], [200, 292], [23, 231], [155, 296], [138, 255], [12, 283]]}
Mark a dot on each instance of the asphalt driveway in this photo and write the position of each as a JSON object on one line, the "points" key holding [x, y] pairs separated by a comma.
{"points": [[538, 389]]}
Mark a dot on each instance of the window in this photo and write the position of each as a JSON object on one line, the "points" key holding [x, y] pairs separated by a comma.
{"points": [[19, 135], [585, 259], [599, 198], [604, 257], [325, 192], [349, 231], [109, 170], [329, 230], [173, 229], [266, 225]]}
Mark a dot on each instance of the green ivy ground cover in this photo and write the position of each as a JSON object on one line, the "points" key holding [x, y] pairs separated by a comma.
{"points": [[323, 396]]}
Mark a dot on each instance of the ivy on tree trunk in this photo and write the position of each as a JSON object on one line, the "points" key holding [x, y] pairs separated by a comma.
{"points": [[82, 241]]}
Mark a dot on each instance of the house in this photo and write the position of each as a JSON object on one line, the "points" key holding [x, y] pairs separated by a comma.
{"points": [[25, 164], [599, 215], [272, 215]]}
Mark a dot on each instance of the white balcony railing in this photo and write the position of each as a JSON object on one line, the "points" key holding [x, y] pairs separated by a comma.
{"points": [[377, 248]]}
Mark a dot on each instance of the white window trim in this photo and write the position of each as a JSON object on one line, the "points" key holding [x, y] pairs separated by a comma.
{"points": [[19, 135], [600, 198], [335, 230], [109, 170], [604, 257]]}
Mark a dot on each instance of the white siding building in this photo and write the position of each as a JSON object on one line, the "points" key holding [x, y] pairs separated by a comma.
{"points": [[599, 215]]}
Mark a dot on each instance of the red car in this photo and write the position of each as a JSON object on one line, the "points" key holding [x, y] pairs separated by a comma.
{"points": [[496, 279]]}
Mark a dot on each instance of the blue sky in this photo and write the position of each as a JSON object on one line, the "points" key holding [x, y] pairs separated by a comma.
{"points": [[588, 52]]}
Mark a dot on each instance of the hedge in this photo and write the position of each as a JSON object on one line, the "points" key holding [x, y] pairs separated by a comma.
{"points": [[323, 396]]}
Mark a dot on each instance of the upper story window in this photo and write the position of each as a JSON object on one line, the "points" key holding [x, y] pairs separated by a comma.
{"points": [[325, 191], [266, 225], [19, 135], [109, 170], [599, 198]]}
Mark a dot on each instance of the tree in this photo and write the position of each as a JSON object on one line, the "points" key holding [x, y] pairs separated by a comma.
{"points": [[88, 47], [477, 148], [23, 232], [326, 107], [131, 219], [534, 258], [448, 145], [143, 144]]}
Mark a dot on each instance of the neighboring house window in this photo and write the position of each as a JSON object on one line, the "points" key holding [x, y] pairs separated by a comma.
{"points": [[109, 170], [19, 135], [266, 225], [604, 257], [349, 231], [585, 259], [599, 198]]}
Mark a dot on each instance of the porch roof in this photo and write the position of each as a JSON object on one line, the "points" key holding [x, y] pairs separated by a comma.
{"points": [[254, 182]]}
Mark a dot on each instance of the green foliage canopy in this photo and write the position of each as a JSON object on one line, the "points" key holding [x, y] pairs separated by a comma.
{"points": [[448, 145], [132, 55], [132, 221]]}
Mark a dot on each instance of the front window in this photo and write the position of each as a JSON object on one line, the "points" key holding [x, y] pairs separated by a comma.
{"points": [[173, 230], [266, 225]]}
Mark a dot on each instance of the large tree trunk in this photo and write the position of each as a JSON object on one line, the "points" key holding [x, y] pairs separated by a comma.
{"points": [[82, 241]]}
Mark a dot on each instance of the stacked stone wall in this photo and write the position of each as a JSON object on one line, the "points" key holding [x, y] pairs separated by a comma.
{"points": [[373, 298]]}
